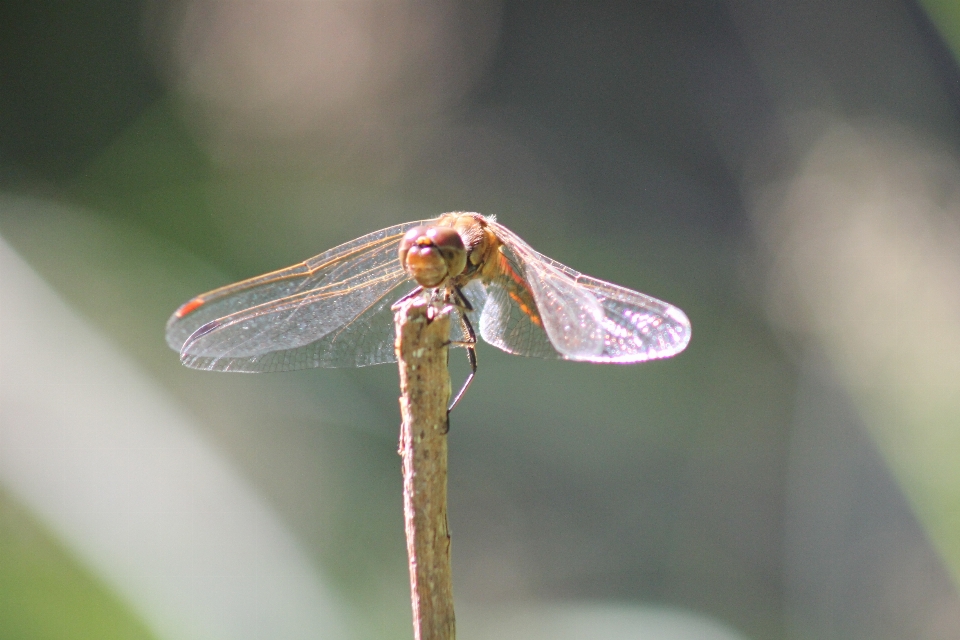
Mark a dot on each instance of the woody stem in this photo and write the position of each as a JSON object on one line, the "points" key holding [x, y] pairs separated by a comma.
{"points": [[423, 333]]}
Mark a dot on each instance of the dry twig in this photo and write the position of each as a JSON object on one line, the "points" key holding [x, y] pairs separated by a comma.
{"points": [[423, 332]]}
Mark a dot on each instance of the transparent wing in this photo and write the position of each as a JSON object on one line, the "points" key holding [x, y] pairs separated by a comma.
{"points": [[330, 311], [536, 306], [506, 315]]}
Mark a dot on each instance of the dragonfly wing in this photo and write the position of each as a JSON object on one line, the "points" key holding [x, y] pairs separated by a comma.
{"points": [[584, 318], [366, 339], [501, 321], [637, 327], [330, 311], [504, 320]]}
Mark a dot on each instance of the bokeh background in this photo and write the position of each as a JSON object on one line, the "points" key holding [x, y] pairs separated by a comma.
{"points": [[786, 173]]}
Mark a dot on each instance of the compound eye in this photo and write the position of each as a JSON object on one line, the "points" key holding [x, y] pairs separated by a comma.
{"points": [[450, 245], [444, 237], [432, 254], [409, 240]]}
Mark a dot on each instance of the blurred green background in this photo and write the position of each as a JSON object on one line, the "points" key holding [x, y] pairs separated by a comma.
{"points": [[788, 174]]}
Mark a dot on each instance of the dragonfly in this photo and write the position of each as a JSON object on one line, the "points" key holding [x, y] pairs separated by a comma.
{"points": [[335, 309]]}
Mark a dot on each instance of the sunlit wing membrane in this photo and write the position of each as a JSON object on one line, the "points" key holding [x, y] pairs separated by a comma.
{"points": [[334, 310], [303, 331], [330, 311], [584, 318], [637, 327], [233, 298], [571, 316], [507, 316]]}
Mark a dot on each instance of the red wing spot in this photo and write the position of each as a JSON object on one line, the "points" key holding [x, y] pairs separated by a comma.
{"points": [[189, 307]]}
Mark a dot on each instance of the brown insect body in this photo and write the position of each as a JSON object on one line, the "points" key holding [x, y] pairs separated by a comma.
{"points": [[433, 256], [333, 310]]}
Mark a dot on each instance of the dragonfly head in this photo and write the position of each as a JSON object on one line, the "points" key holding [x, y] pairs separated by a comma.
{"points": [[431, 255]]}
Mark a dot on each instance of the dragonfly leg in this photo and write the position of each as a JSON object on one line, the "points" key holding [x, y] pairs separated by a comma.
{"points": [[471, 346], [412, 294], [461, 301]]}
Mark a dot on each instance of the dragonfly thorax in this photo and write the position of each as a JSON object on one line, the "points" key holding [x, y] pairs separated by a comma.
{"points": [[334, 310]]}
